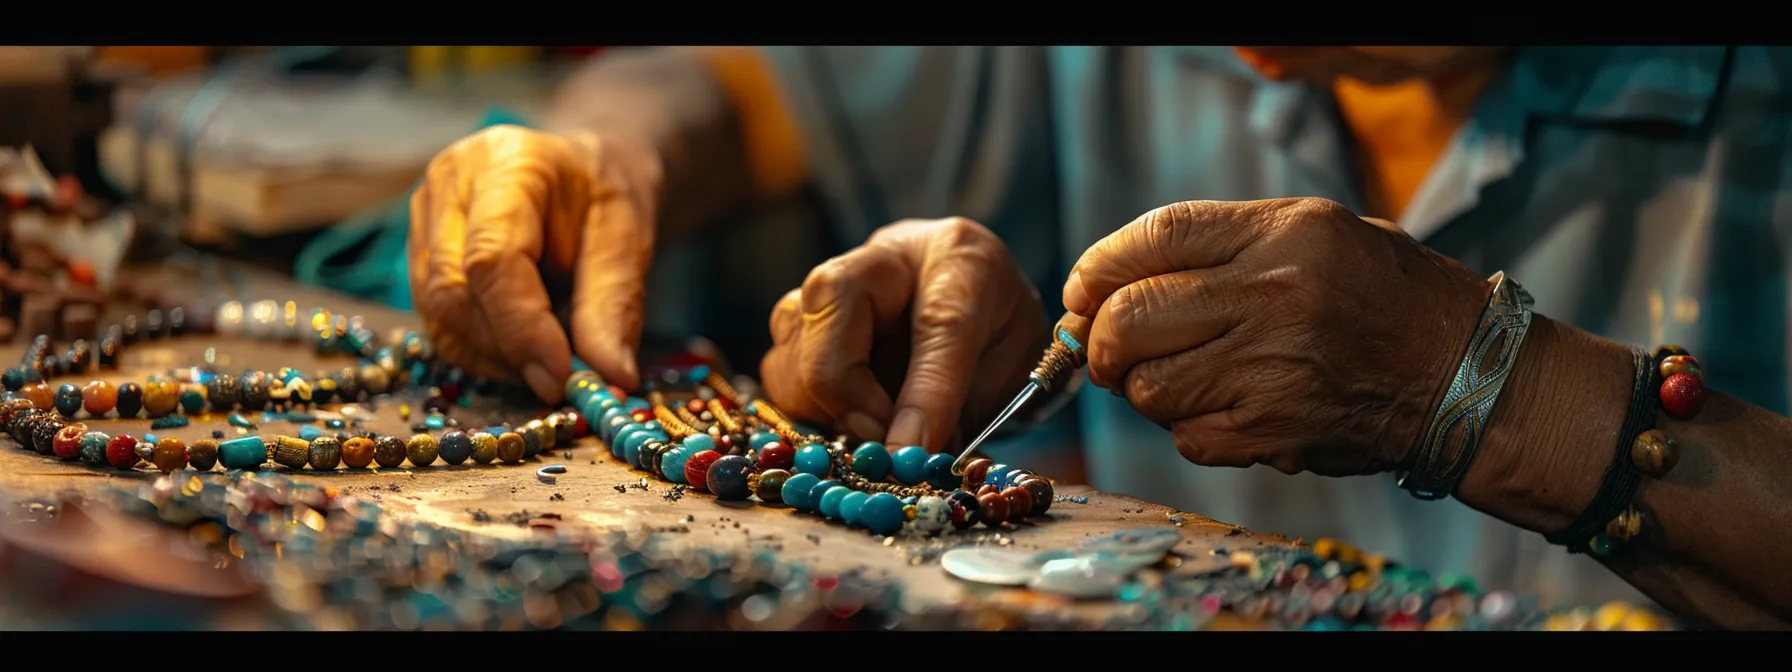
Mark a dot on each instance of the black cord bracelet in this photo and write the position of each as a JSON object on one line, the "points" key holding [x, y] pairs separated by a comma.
{"points": [[1621, 477]]}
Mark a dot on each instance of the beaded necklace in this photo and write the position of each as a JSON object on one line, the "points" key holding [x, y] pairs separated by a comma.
{"points": [[714, 439]]}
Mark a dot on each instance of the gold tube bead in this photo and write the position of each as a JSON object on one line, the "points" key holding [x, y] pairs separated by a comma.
{"points": [[716, 382], [291, 452]]}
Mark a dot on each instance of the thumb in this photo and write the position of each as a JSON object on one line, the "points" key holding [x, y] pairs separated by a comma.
{"points": [[609, 288]]}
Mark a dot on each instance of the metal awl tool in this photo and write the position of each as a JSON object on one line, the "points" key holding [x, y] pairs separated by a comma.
{"points": [[1068, 353]]}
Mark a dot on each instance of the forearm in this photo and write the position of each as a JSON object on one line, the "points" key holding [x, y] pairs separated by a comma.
{"points": [[683, 104], [1717, 526]]}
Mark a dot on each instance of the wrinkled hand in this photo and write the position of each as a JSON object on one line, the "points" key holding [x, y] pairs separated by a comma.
{"points": [[1287, 332], [935, 309], [502, 206]]}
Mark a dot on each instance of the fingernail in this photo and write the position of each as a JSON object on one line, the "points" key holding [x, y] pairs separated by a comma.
{"points": [[627, 355], [1075, 299], [907, 429], [864, 426], [542, 383]]}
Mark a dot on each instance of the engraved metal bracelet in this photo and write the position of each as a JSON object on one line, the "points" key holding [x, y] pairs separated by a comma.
{"points": [[1444, 453]]}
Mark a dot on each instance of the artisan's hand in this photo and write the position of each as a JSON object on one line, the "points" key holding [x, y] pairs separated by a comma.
{"points": [[498, 204], [1289, 332], [934, 308]]}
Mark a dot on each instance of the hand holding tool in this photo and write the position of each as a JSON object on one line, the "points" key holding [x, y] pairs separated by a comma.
{"points": [[1067, 353]]}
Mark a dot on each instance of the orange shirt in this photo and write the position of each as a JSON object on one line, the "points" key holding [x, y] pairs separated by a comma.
{"points": [[1400, 130]]}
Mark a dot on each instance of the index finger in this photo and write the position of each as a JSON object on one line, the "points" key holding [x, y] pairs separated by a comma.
{"points": [[1177, 237]]}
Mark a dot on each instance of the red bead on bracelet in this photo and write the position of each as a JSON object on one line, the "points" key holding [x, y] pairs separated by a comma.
{"points": [[1683, 388]]}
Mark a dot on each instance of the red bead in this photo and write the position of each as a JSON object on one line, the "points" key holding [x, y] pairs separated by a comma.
{"points": [[640, 416], [725, 403], [696, 469], [67, 442], [776, 455], [1682, 396], [579, 428], [695, 406], [618, 392], [121, 451]]}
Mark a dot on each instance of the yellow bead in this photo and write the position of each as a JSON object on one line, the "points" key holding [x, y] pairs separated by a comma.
{"points": [[1360, 581], [1626, 526], [1654, 453], [908, 513], [1374, 562], [1610, 616], [1682, 364], [1642, 620], [1326, 549], [404, 412]]}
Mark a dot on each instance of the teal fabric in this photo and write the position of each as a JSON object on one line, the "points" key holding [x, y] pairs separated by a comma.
{"points": [[378, 273]]}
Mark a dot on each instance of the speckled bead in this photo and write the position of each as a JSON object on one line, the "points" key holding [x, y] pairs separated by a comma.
{"points": [[169, 455], [796, 491], [421, 450], [909, 465], [130, 400], [43, 434], [203, 454], [66, 443], [325, 453], [68, 400], [252, 391], [1682, 396], [768, 485], [93, 448], [456, 447], [485, 447], [696, 469], [99, 398], [160, 398], [727, 478], [511, 447], [357, 452], [121, 452], [964, 509], [291, 452], [931, 514], [222, 392], [813, 459], [871, 460], [1654, 453], [388, 452]]}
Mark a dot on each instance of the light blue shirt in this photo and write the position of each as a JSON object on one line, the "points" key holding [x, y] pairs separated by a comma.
{"points": [[1640, 193]]}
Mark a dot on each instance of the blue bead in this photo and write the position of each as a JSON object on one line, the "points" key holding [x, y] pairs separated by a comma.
{"points": [[727, 478], [672, 464], [697, 373], [435, 421], [248, 452], [995, 474], [911, 500], [1013, 477], [872, 461], [813, 459], [849, 507], [621, 438], [149, 438], [830, 500], [699, 443], [606, 420], [939, 472], [456, 447], [761, 439], [796, 491], [818, 490], [909, 465], [309, 432], [882, 514], [631, 451], [636, 404]]}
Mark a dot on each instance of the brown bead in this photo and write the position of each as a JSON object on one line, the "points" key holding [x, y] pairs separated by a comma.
{"points": [[42, 397], [388, 451], [170, 455], [1654, 453], [99, 397], [987, 488], [1042, 493], [1682, 364], [160, 399], [11, 408], [357, 452], [768, 485], [485, 447], [542, 432], [421, 450], [326, 453], [1020, 503], [1626, 526], [1670, 350], [202, 455], [510, 448], [975, 471], [993, 508]]}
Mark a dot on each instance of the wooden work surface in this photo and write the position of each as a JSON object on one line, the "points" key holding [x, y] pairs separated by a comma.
{"points": [[587, 494]]}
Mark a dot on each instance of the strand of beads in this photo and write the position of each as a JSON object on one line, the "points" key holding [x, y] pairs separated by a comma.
{"points": [[1654, 453]]}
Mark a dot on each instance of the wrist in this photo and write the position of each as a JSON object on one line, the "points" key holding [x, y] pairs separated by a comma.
{"points": [[1551, 437]]}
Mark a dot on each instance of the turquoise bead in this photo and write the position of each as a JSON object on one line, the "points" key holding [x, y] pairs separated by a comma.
{"points": [[605, 427], [150, 439], [248, 453], [93, 447], [996, 472], [939, 472], [882, 514], [622, 437], [872, 461], [849, 506], [636, 404], [435, 421], [760, 439], [672, 463], [796, 491], [909, 465], [831, 500], [813, 459], [699, 443], [192, 401], [631, 450], [309, 432]]}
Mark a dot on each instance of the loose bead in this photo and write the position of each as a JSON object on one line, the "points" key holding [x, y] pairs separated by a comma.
{"points": [[1020, 503], [67, 442], [883, 513], [99, 398], [291, 452], [357, 452], [1041, 490], [388, 451], [727, 478], [121, 452], [993, 508], [696, 469], [1626, 526], [169, 455], [769, 487], [456, 447], [130, 400], [964, 508], [203, 454], [169, 422], [909, 465], [1676, 365], [850, 506], [1682, 396], [796, 491], [776, 455], [246, 453], [325, 453], [160, 398], [421, 450], [872, 461], [68, 400], [975, 471], [310, 433], [813, 459], [831, 500], [93, 448], [1654, 453], [485, 447]]}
